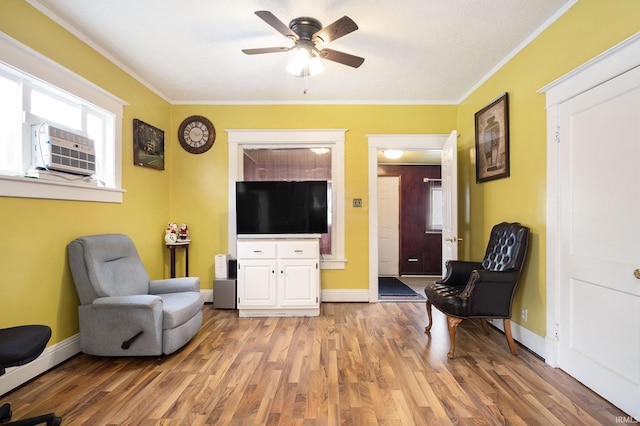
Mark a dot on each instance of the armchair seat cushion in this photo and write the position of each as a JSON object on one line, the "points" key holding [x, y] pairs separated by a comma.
{"points": [[446, 298], [178, 308]]}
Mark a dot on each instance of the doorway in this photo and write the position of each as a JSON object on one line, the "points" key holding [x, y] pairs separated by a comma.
{"points": [[432, 143]]}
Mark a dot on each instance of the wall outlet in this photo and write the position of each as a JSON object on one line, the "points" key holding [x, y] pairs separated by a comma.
{"points": [[357, 202], [524, 314]]}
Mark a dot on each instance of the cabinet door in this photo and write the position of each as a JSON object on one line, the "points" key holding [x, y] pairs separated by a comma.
{"points": [[298, 282], [257, 283]]}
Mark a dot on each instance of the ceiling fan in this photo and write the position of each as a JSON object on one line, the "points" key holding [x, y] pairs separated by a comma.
{"points": [[307, 34]]}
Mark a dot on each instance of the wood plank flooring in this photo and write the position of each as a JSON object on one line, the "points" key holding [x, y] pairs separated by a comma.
{"points": [[356, 364]]}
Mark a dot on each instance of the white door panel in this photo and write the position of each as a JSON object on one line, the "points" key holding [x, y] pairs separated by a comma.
{"points": [[388, 225], [599, 201]]}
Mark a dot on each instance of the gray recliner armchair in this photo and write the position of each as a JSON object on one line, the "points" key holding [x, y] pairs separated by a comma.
{"points": [[124, 313]]}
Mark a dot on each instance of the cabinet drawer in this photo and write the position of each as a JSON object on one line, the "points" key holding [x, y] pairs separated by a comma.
{"points": [[298, 250], [256, 250]]}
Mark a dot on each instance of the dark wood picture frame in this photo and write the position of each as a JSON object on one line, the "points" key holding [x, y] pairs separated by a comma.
{"points": [[148, 145], [492, 140]]}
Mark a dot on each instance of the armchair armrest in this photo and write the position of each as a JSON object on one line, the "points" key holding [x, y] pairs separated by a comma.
{"points": [[135, 301], [122, 325], [458, 272], [490, 293], [497, 276], [174, 285]]}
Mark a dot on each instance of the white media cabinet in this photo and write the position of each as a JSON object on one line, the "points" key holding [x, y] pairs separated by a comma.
{"points": [[278, 277]]}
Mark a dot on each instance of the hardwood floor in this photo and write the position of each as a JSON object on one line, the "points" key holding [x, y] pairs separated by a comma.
{"points": [[356, 364]]}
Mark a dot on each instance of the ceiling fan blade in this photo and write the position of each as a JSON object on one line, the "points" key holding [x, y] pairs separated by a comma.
{"points": [[261, 50], [331, 32], [276, 23], [341, 57]]}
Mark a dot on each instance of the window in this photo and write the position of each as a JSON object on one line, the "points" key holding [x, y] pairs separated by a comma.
{"points": [[37, 92], [434, 206], [292, 164], [278, 154]]}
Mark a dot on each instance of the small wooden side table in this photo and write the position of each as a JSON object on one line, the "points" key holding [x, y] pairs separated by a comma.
{"points": [[172, 248]]}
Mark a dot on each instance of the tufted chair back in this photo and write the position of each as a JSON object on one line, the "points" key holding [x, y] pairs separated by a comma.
{"points": [[507, 247]]}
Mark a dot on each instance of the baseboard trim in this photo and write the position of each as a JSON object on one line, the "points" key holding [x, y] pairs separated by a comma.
{"points": [[526, 338], [52, 356], [345, 295], [208, 295]]}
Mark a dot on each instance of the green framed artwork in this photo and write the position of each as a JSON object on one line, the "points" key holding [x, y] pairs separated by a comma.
{"points": [[148, 145]]}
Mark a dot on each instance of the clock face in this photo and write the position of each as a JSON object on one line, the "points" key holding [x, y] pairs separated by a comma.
{"points": [[196, 134]]}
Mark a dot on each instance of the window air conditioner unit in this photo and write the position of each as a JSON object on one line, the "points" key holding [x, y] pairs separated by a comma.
{"points": [[62, 150]]}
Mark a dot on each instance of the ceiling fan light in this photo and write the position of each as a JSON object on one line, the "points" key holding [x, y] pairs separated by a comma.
{"points": [[393, 154], [299, 62], [315, 66]]}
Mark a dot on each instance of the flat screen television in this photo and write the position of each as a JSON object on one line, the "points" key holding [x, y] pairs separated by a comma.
{"points": [[281, 207]]}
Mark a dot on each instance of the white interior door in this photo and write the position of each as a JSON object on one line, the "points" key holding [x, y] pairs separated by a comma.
{"points": [[599, 234], [388, 225], [449, 173]]}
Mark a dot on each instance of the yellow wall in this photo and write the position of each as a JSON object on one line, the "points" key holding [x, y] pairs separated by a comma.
{"points": [[199, 187], [586, 30], [36, 283]]}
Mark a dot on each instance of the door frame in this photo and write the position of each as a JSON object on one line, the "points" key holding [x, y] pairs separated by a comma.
{"points": [[415, 142], [611, 63]]}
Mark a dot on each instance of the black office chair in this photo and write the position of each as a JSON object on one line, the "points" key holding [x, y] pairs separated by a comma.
{"points": [[18, 346]]}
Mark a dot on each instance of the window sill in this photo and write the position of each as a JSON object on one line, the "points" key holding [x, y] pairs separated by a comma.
{"points": [[332, 263], [23, 187]]}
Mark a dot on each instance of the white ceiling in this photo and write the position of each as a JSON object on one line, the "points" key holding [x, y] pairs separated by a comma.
{"points": [[416, 51]]}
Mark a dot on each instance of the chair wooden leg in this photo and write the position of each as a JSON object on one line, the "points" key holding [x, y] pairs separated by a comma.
{"points": [[453, 327], [428, 327], [507, 333], [485, 326]]}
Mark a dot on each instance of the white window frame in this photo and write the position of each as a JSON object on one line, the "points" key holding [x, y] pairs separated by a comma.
{"points": [[330, 138], [434, 209], [43, 69]]}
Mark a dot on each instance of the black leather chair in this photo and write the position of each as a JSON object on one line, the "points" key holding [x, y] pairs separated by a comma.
{"points": [[484, 289], [18, 346]]}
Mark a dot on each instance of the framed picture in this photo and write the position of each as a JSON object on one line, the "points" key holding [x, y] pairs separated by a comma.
{"points": [[492, 140], [148, 145]]}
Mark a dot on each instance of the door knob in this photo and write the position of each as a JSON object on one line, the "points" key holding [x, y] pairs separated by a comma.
{"points": [[636, 273], [453, 239]]}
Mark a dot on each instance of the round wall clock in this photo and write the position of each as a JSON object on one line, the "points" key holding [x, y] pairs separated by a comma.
{"points": [[196, 134]]}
